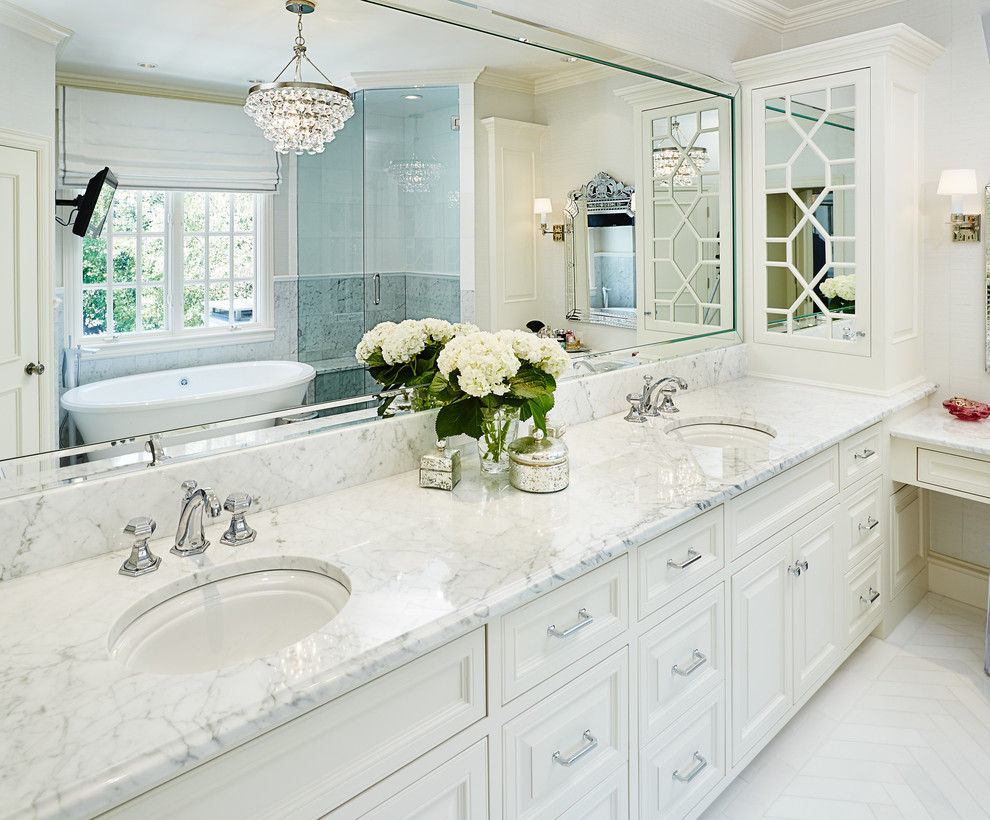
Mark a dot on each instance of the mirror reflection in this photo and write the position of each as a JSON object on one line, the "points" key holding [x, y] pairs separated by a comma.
{"points": [[811, 187], [405, 215], [601, 252]]}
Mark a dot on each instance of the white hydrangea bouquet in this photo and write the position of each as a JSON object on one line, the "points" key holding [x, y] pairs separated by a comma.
{"points": [[840, 287], [405, 354], [484, 379]]}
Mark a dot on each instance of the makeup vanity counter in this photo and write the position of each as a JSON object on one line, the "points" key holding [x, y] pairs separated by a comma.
{"points": [[80, 734]]}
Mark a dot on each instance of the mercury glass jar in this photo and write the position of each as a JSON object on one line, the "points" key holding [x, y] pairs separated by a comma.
{"points": [[440, 468], [538, 464]]}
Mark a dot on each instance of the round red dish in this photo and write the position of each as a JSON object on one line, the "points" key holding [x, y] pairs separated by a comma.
{"points": [[966, 409]]}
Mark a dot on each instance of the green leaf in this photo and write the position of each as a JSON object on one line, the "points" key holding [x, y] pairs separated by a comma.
{"points": [[531, 382], [539, 407], [460, 417]]}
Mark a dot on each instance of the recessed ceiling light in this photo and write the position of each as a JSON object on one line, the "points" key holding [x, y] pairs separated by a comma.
{"points": [[568, 59], [148, 65], [413, 97], [255, 82]]}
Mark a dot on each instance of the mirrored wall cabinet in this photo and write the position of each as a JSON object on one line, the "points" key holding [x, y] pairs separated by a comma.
{"points": [[832, 214]]}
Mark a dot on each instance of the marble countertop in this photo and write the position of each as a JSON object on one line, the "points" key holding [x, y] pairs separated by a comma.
{"points": [[935, 425], [80, 733]]}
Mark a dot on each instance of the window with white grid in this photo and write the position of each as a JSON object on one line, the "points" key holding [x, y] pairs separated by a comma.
{"points": [[174, 264]]}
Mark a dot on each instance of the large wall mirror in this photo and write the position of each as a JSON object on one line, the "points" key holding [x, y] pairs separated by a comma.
{"points": [[355, 241]]}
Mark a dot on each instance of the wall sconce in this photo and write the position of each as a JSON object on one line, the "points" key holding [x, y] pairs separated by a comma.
{"points": [[543, 206], [957, 183]]}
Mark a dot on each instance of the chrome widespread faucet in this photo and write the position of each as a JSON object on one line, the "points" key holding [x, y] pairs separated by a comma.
{"points": [[667, 386], [189, 537]]}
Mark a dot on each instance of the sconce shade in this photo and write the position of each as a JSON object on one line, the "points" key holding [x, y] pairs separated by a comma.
{"points": [[957, 182], [542, 205]]}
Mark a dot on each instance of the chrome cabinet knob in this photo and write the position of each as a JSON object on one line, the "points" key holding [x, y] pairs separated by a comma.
{"points": [[238, 532], [33, 369], [141, 559]]}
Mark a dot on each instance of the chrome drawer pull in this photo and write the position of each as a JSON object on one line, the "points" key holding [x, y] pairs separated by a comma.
{"points": [[867, 453], [574, 758], [797, 568], [871, 522], [872, 599], [687, 778], [698, 658], [584, 619], [693, 555]]}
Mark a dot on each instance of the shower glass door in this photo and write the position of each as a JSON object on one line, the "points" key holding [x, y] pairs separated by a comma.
{"points": [[379, 229]]}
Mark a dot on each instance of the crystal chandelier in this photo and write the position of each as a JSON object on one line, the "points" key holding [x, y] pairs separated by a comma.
{"points": [[299, 116], [682, 165], [415, 175]]}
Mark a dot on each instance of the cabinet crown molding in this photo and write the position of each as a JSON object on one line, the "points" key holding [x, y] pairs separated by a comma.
{"points": [[844, 53], [32, 24]]}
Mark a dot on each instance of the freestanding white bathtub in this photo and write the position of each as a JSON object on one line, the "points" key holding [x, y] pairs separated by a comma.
{"points": [[136, 405]]}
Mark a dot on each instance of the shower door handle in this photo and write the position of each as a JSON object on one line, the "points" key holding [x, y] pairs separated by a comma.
{"points": [[376, 288]]}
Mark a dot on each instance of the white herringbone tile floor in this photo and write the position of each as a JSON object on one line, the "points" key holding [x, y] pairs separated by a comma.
{"points": [[902, 730]]}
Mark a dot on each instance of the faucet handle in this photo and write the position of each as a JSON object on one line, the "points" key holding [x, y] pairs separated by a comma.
{"points": [[141, 559], [238, 532], [190, 487]]}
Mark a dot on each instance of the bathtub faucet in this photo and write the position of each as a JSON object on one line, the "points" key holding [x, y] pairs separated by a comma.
{"points": [[189, 537]]}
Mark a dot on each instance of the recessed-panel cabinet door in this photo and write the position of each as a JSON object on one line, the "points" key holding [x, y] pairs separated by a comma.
{"points": [[816, 602], [761, 646]]}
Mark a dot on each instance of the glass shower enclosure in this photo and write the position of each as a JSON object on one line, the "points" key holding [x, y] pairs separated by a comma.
{"points": [[378, 227]]}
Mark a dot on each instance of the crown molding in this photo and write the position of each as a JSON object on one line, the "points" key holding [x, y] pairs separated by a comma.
{"points": [[31, 24], [775, 16], [506, 82], [403, 79], [851, 51], [95, 83]]}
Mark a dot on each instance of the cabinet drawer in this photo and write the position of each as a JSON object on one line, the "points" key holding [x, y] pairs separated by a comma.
{"points": [[455, 790], [565, 743], [864, 599], [677, 560], [866, 519], [759, 513], [584, 614], [607, 801], [679, 660], [317, 761], [685, 763], [968, 475], [861, 454]]}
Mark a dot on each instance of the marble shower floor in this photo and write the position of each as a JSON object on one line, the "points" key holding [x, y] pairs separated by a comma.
{"points": [[902, 730]]}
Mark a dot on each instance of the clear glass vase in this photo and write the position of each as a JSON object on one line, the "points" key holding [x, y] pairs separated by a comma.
{"points": [[498, 428]]}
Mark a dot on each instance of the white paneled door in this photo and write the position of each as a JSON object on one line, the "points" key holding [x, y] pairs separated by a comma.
{"points": [[24, 268]]}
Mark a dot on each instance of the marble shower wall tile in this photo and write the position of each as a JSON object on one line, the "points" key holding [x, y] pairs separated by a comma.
{"points": [[65, 524]]}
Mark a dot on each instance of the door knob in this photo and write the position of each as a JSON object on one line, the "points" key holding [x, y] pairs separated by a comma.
{"points": [[33, 369]]}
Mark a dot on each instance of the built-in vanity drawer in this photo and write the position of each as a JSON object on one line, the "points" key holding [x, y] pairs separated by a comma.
{"points": [[861, 454], [759, 513], [863, 598], [314, 763], [677, 560], [685, 763], [866, 513], [560, 627], [456, 790], [560, 747], [968, 475], [609, 800], [679, 660]]}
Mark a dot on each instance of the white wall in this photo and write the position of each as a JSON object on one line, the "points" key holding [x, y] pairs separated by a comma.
{"points": [[28, 65]]}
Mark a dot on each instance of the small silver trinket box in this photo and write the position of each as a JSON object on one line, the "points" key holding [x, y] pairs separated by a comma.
{"points": [[440, 468], [538, 464]]}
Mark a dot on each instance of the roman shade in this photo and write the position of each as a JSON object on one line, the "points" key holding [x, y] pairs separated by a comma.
{"points": [[161, 143]]}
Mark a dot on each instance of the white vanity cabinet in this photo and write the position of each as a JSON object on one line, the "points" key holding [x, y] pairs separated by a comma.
{"points": [[831, 136], [637, 689]]}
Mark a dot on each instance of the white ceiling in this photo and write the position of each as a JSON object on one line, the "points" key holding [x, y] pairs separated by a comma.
{"points": [[219, 46]]}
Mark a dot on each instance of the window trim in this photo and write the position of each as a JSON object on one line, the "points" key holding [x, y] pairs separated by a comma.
{"points": [[150, 342]]}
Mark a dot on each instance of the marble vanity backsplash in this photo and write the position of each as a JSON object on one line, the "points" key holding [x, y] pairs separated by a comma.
{"points": [[60, 525]]}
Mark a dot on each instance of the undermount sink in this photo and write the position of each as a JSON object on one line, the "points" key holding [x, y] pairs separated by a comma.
{"points": [[243, 611], [721, 433]]}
